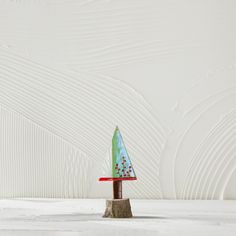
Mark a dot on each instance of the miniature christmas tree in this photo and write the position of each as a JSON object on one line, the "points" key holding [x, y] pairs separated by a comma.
{"points": [[122, 169]]}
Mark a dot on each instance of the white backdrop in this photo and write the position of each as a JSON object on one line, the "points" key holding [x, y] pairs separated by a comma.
{"points": [[163, 71]]}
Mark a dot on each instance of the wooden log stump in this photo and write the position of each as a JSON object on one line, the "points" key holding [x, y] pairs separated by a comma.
{"points": [[118, 208]]}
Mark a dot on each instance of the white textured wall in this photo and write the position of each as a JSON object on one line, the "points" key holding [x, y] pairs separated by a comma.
{"points": [[164, 71]]}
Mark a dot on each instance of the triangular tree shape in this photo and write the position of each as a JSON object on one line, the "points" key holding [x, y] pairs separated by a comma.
{"points": [[121, 164]]}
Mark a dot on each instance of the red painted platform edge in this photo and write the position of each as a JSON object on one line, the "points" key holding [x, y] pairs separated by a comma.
{"points": [[116, 179]]}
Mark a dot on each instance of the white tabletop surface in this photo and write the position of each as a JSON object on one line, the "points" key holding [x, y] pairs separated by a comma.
{"points": [[84, 217]]}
